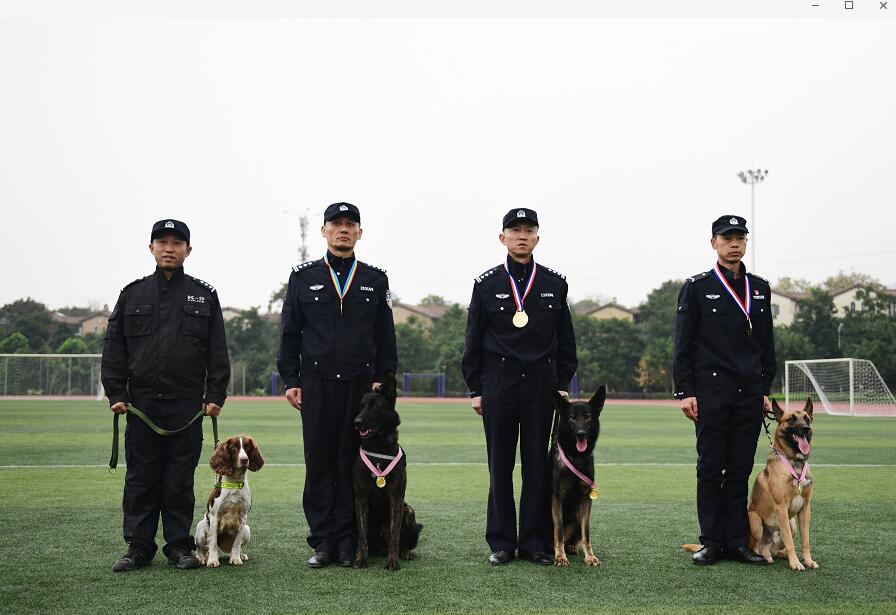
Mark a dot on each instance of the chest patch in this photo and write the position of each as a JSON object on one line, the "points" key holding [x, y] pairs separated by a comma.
{"points": [[713, 296], [369, 289], [547, 294], [195, 299], [315, 287], [502, 296]]}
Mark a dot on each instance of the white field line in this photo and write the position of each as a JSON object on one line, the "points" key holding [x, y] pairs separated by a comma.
{"points": [[478, 463]]}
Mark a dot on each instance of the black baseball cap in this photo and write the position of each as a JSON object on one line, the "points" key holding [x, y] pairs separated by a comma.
{"points": [[519, 215], [728, 223], [342, 209], [170, 225]]}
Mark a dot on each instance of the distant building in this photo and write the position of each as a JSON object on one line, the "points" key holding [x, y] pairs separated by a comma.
{"points": [[611, 310], [94, 323], [230, 313], [785, 307], [402, 312]]}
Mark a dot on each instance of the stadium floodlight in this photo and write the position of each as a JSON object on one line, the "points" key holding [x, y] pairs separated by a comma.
{"points": [[839, 386], [753, 177]]}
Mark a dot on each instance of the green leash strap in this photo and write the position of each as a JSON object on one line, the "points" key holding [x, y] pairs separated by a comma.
{"points": [[113, 460]]}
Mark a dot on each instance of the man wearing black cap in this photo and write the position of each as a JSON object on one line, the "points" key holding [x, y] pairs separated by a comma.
{"points": [[724, 364], [165, 353], [519, 348], [337, 339]]}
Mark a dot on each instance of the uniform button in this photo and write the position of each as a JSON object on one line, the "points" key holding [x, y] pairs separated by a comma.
{"points": [[318, 298], [522, 375], [195, 311], [502, 358], [713, 373], [761, 309], [338, 375], [315, 362], [713, 309], [502, 308], [550, 306], [368, 299], [740, 390]]}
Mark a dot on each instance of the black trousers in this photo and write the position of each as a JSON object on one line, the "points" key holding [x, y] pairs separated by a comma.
{"points": [[159, 477], [727, 431], [518, 406], [331, 445]]}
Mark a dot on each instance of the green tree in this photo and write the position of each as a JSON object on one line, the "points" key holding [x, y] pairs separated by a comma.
{"points": [[872, 335], [790, 345], [15, 343], [608, 352], [816, 321], [33, 320], [794, 286], [73, 345], [415, 349], [447, 335], [843, 280], [252, 341], [432, 300], [656, 316], [655, 367]]}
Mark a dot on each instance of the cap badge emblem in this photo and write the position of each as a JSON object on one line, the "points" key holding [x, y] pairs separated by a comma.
{"points": [[734, 221], [316, 287], [343, 208], [521, 214], [169, 224]]}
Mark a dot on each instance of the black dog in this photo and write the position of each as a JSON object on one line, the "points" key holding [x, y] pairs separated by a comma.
{"points": [[386, 524], [576, 434]]}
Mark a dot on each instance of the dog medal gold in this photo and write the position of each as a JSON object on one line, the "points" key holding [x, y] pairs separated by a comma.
{"points": [[520, 318], [594, 493], [380, 481]]}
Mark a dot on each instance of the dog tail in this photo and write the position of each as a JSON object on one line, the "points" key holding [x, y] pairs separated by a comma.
{"points": [[692, 548]]}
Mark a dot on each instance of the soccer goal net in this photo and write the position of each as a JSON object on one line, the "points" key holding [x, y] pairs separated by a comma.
{"points": [[63, 375], [839, 386]]}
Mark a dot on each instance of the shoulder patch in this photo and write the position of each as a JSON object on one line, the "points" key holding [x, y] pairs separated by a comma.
{"points": [[373, 267], [698, 276], [304, 265], [127, 286], [549, 270], [203, 283], [758, 277], [486, 274]]}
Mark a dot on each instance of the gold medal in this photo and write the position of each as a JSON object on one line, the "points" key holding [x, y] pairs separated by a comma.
{"points": [[380, 481], [593, 495], [520, 320]]}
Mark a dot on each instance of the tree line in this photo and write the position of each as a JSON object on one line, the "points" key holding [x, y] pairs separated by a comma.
{"points": [[630, 357]]}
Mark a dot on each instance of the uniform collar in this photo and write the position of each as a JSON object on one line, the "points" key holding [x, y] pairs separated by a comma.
{"points": [[729, 275], [339, 263], [175, 277], [517, 269]]}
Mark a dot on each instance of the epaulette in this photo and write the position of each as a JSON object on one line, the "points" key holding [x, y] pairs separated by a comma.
{"points": [[486, 274], [374, 267], [127, 286], [203, 283], [758, 277], [698, 276], [304, 265], [556, 273]]}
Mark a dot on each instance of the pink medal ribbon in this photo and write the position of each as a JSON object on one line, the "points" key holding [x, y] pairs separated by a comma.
{"points": [[745, 306], [799, 478], [380, 476], [594, 493]]}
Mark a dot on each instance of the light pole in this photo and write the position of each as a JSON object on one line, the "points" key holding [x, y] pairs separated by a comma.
{"points": [[303, 231], [753, 177]]}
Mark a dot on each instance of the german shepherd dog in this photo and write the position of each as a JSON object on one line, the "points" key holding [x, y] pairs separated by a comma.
{"points": [[577, 430], [386, 524], [778, 501]]}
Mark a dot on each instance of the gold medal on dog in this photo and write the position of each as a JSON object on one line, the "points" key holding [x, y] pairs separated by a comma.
{"points": [[520, 320], [380, 481], [594, 493]]}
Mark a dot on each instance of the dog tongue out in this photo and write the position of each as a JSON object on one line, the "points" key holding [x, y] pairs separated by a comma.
{"points": [[581, 444], [803, 443]]}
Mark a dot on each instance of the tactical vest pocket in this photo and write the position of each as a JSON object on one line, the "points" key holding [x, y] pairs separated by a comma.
{"points": [[195, 319], [137, 319]]}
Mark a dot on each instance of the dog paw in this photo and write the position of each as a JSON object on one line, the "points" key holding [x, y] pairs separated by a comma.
{"points": [[202, 559], [359, 563], [244, 556], [561, 561], [393, 565], [796, 565], [213, 562], [236, 561], [592, 561], [809, 563]]}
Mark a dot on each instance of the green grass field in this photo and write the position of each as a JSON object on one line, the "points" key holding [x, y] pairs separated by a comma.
{"points": [[60, 527]]}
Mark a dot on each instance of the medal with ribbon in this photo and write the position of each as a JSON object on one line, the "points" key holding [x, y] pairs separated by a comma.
{"points": [[593, 494], [745, 306], [520, 319], [341, 289], [380, 475]]}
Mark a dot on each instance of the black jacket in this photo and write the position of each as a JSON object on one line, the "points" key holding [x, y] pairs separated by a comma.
{"points": [[318, 338], [493, 343], [165, 340], [712, 347]]}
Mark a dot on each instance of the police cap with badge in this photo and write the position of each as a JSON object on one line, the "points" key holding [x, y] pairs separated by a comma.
{"points": [[522, 214], [342, 209], [170, 226], [729, 224]]}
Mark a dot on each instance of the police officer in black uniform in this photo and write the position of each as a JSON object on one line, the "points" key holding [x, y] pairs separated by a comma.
{"points": [[519, 348], [165, 353], [724, 364], [337, 339]]}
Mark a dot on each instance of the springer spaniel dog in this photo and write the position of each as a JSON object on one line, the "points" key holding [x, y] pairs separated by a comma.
{"points": [[223, 527]]}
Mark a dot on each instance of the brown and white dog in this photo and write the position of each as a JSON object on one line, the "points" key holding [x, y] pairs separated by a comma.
{"points": [[223, 528]]}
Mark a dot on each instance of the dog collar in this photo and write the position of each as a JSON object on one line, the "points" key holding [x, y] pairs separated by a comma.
{"points": [[379, 455], [594, 492], [799, 478], [238, 485], [380, 476]]}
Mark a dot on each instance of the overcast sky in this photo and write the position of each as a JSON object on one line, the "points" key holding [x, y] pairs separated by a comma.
{"points": [[624, 135]]}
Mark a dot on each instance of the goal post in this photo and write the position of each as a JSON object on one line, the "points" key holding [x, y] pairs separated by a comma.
{"points": [[851, 387], [50, 375]]}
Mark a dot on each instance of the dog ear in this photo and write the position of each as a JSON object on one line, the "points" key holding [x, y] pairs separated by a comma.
{"points": [[776, 409], [560, 402], [388, 389], [597, 401], [256, 461], [808, 408], [221, 462]]}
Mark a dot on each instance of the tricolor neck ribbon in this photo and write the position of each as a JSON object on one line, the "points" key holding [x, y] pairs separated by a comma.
{"points": [[520, 300], [574, 469], [376, 472], [341, 289], [745, 306], [799, 478]]}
